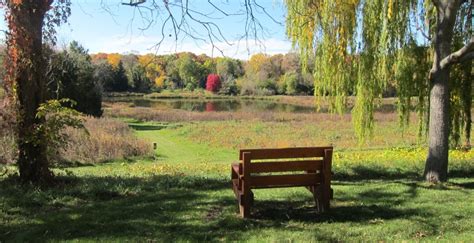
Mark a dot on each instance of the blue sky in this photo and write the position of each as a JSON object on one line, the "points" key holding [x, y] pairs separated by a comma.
{"points": [[109, 26]]}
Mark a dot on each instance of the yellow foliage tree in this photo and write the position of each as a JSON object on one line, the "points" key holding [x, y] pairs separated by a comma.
{"points": [[160, 81], [153, 69], [114, 59], [256, 61]]}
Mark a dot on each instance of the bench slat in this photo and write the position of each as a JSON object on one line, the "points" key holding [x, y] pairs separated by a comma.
{"points": [[284, 180], [282, 153], [283, 166]]}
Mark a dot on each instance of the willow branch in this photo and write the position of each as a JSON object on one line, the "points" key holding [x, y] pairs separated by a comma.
{"points": [[461, 55]]}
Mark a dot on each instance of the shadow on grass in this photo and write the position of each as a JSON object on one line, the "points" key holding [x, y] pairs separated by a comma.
{"points": [[147, 127], [376, 204], [157, 207], [467, 185], [167, 208], [361, 172], [72, 164], [129, 160], [301, 211]]}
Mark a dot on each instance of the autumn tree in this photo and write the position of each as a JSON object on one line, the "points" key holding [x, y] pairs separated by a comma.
{"points": [[189, 70], [131, 64], [30, 23], [114, 59], [154, 69], [329, 31], [263, 71], [228, 68], [213, 83]]}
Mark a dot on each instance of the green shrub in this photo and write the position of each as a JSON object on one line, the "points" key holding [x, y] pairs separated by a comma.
{"points": [[57, 117]]}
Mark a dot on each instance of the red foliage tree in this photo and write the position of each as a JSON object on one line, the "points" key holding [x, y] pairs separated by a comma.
{"points": [[213, 83]]}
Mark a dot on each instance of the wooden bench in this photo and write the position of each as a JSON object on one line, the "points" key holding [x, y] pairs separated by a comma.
{"points": [[284, 167]]}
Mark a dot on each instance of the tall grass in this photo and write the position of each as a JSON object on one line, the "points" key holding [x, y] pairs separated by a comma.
{"points": [[123, 109], [7, 138], [104, 139], [8, 152]]}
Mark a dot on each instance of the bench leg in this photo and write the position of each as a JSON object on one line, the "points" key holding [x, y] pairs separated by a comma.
{"points": [[321, 198], [317, 197], [244, 205], [252, 197], [233, 173], [326, 196]]}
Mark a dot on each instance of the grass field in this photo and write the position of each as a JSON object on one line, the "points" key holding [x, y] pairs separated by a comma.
{"points": [[184, 194]]}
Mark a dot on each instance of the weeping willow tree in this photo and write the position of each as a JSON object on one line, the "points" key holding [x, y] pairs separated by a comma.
{"points": [[361, 46]]}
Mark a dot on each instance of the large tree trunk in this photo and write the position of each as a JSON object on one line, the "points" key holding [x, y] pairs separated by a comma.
{"points": [[436, 167], [28, 73]]}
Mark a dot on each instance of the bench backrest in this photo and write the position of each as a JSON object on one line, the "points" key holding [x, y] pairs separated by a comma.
{"points": [[313, 163]]}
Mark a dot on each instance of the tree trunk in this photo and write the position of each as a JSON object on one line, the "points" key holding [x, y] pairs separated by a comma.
{"points": [[25, 44], [436, 167]]}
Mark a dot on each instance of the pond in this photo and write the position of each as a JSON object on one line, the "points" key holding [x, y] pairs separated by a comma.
{"points": [[205, 105], [230, 105]]}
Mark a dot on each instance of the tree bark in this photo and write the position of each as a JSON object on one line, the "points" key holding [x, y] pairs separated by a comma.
{"points": [[25, 22], [436, 167]]}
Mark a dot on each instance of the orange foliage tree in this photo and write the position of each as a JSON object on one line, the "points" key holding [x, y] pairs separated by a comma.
{"points": [[114, 59]]}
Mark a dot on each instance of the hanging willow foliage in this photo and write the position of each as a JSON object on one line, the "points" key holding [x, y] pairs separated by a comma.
{"points": [[361, 46]]}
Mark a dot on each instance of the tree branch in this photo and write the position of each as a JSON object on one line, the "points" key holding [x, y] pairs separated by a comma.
{"points": [[467, 57], [463, 54], [184, 20]]}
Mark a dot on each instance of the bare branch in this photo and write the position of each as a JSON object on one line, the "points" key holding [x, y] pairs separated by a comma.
{"points": [[463, 54], [222, 11], [422, 31], [266, 13], [134, 3], [181, 19]]}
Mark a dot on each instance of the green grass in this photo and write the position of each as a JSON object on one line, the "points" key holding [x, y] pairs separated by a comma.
{"points": [[184, 194]]}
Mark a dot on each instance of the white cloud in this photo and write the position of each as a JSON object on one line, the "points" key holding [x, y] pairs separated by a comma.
{"points": [[147, 44]]}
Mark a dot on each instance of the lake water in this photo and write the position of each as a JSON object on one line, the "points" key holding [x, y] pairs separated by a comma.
{"points": [[229, 105], [203, 105]]}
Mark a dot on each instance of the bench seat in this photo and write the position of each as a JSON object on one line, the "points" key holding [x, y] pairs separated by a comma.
{"points": [[308, 167]]}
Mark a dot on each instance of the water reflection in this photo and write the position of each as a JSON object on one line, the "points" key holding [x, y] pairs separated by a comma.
{"points": [[230, 105]]}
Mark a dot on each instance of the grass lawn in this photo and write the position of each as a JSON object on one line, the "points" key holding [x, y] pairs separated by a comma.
{"points": [[184, 194]]}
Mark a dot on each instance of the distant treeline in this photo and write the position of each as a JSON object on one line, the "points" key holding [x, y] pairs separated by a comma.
{"points": [[83, 77], [260, 75]]}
